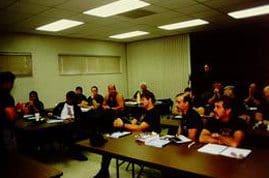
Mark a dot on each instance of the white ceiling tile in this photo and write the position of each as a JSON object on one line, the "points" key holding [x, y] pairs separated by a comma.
{"points": [[20, 7], [50, 3]]}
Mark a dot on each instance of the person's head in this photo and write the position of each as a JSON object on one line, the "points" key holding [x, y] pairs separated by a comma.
{"points": [[112, 90], [94, 90], [33, 96], [252, 88], [143, 86], [206, 68], [188, 92], [79, 90], [266, 93], [7, 81], [71, 97], [148, 99], [223, 108], [217, 85], [229, 91], [183, 102]]}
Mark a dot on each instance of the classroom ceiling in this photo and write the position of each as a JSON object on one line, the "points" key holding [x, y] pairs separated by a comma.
{"points": [[25, 15]]}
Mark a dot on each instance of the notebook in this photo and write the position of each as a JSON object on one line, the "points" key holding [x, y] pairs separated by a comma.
{"points": [[223, 150]]}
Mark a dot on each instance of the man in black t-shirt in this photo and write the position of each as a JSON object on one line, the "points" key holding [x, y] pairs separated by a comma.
{"points": [[8, 113], [225, 129], [95, 101], [191, 123], [150, 122]]}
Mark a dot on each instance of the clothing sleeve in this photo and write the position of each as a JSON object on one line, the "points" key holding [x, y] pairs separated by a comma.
{"points": [[195, 121]]}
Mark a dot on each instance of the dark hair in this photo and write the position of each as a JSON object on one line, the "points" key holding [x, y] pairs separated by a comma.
{"points": [[188, 89], [6, 77], [79, 88], [227, 102], [71, 94], [149, 95], [34, 93], [94, 87], [186, 98]]}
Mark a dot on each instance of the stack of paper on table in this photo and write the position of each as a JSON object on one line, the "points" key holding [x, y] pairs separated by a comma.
{"points": [[51, 121], [119, 134], [225, 151]]}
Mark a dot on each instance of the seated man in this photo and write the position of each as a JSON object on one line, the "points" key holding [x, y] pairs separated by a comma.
{"points": [[95, 101], [67, 109], [191, 123], [138, 93], [253, 98], [150, 122], [263, 112], [225, 129], [113, 107], [79, 95], [113, 100]]}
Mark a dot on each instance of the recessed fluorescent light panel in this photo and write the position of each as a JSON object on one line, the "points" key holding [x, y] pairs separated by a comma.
{"points": [[59, 25], [129, 35], [116, 7], [184, 24], [255, 11]]}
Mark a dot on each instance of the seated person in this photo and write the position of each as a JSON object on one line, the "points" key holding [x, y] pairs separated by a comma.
{"points": [[138, 93], [34, 105], [191, 123], [79, 95], [113, 100], [253, 98], [96, 100], [225, 129], [67, 109], [263, 111], [150, 122]]}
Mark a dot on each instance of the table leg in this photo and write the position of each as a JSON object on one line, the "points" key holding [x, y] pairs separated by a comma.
{"points": [[117, 168]]}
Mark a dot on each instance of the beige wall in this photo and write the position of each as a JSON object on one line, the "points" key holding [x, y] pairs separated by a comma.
{"points": [[46, 79], [164, 64]]}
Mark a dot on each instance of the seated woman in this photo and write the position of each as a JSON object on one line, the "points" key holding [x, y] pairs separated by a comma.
{"points": [[34, 105]]}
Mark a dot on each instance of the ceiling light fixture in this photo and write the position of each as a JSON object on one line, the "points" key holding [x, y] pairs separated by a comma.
{"points": [[129, 34], [184, 24], [116, 7], [255, 11], [59, 25]]}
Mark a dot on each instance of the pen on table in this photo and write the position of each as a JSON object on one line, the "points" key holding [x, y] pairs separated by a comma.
{"points": [[190, 145]]}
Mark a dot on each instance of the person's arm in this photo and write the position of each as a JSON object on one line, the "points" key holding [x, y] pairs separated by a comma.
{"points": [[192, 133], [118, 123], [120, 101], [233, 141], [207, 137], [134, 127], [105, 106], [10, 113]]}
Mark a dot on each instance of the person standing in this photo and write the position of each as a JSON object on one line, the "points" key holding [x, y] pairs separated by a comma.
{"points": [[8, 114]]}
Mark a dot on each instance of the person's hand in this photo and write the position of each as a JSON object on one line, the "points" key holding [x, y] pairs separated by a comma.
{"points": [[118, 123], [106, 107], [50, 114], [134, 121], [31, 103], [215, 135]]}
